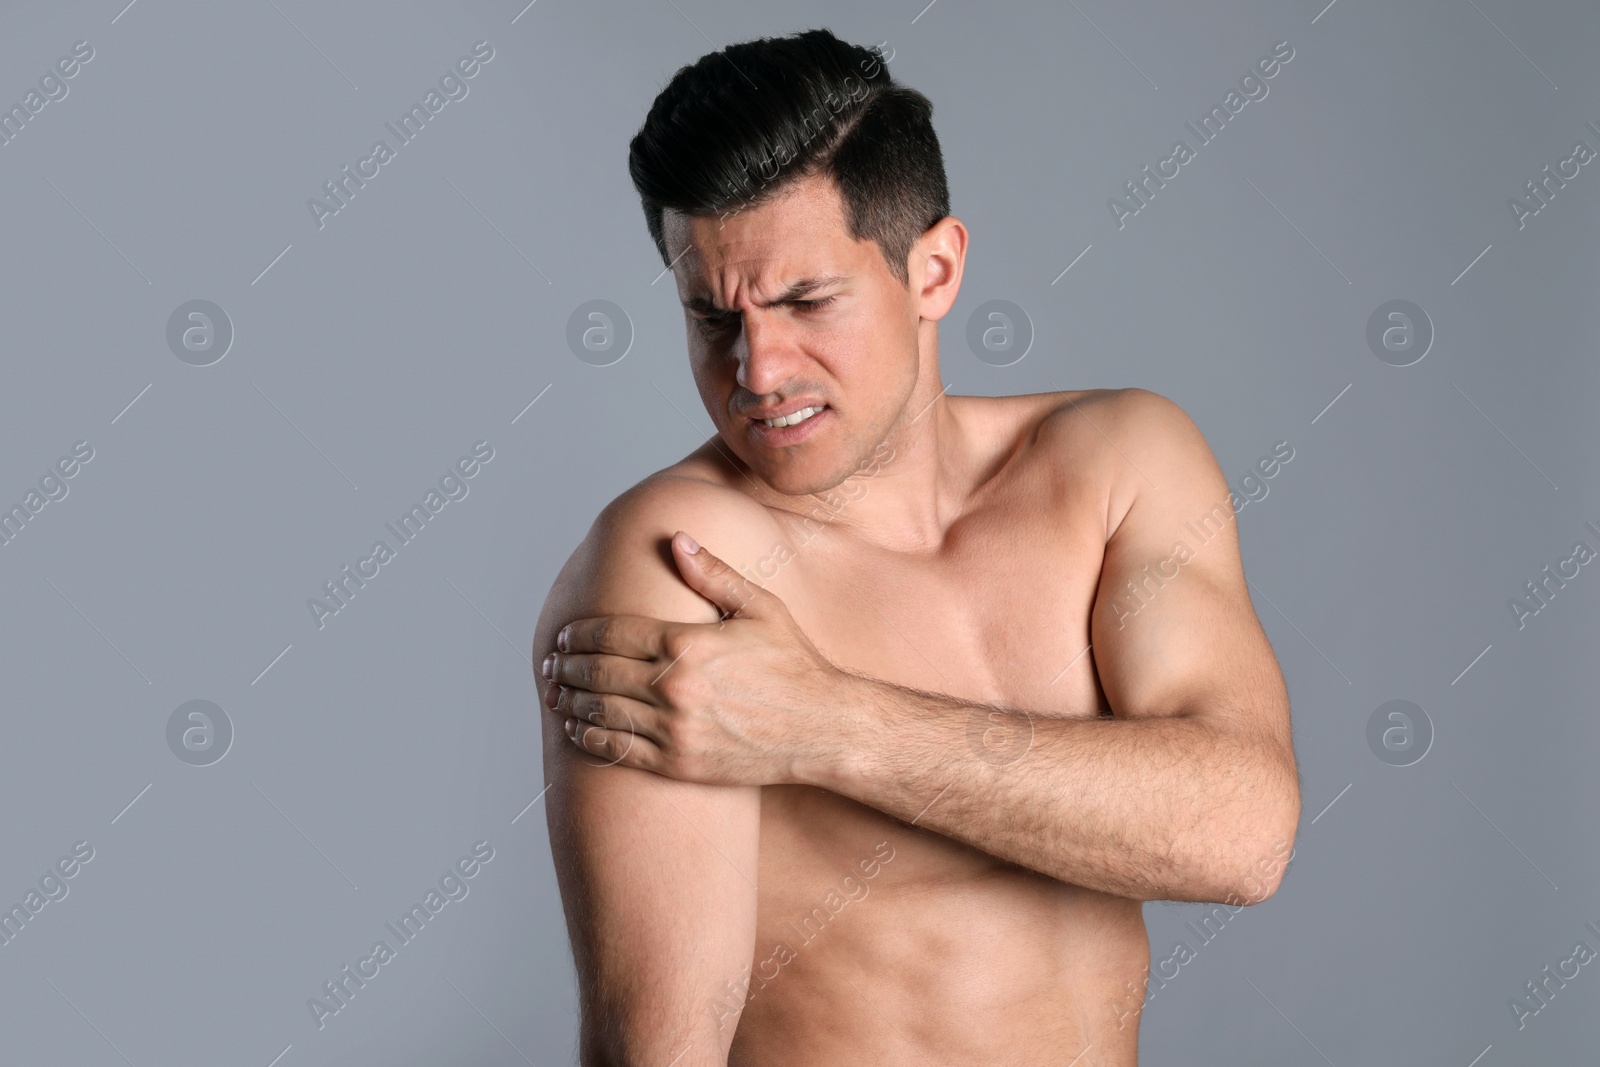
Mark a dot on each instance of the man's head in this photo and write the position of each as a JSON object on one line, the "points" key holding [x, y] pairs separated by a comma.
{"points": [[800, 197]]}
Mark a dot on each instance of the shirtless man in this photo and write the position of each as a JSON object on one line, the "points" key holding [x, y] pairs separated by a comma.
{"points": [[883, 773]]}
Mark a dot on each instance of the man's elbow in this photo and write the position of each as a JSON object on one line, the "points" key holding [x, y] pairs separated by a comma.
{"points": [[1259, 867]]}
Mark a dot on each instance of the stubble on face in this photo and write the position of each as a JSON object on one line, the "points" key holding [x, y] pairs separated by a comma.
{"points": [[858, 354]]}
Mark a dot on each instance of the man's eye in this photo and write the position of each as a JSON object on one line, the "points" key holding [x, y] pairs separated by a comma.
{"points": [[714, 323], [812, 305]]}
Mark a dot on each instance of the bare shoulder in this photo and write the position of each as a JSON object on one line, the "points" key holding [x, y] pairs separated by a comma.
{"points": [[1133, 416], [677, 493], [624, 565], [1137, 444]]}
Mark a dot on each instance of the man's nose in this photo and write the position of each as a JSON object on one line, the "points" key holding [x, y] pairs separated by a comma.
{"points": [[767, 353]]}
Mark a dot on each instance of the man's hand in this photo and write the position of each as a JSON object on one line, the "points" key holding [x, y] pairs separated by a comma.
{"points": [[737, 702]]}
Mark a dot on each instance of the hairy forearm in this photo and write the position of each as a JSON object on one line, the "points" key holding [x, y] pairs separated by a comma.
{"points": [[1168, 808]]}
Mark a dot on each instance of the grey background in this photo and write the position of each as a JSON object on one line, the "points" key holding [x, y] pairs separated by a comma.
{"points": [[371, 753]]}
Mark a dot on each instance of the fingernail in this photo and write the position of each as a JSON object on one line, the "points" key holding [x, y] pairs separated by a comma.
{"points": [[549, 665], [689, 543], [563, 638], [572, 729]]}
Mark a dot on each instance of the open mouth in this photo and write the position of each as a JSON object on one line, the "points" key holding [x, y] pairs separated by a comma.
{"points": [[791, 427], [794, 418]]}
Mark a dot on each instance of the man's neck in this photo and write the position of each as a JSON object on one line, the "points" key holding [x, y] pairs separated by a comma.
{"points": [[911, 488]]}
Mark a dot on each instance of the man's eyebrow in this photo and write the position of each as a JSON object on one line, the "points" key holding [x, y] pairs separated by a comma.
{"points": [[798, 291]]}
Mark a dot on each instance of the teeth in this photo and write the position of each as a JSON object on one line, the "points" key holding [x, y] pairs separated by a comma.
{"points": [[789, 420]]}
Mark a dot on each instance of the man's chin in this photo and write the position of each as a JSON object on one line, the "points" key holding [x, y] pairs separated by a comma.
{"points": [[795, 483], [795, 476]]}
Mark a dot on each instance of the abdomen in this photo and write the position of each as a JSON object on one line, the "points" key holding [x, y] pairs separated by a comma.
{"points": [[880, 942]]}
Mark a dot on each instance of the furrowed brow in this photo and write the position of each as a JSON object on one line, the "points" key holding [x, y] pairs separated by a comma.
{"points": [[798, 291]]}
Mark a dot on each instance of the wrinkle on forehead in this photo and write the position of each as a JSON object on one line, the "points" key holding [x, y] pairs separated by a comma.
{"points": [[755, 254]]}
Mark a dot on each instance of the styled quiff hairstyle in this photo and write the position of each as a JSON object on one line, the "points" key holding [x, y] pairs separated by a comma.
{"points": [[738, 125]]}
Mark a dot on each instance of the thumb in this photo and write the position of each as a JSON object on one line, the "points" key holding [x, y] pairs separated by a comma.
{"points": [[715, 580]]}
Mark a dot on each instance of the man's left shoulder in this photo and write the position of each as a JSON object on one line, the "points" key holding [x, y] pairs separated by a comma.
{"points": [[1129, 409], [1139, 444], [1141, 428]]}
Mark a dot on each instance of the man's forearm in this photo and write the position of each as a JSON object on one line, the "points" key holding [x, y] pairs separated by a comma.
{"points": [[1169, 808]]}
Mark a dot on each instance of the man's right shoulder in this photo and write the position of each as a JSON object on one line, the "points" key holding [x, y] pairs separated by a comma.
{"points": [[667, 501], [624, 564]]}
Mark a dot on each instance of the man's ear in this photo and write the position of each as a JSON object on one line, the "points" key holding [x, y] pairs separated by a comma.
{"points": [[935, 265]]}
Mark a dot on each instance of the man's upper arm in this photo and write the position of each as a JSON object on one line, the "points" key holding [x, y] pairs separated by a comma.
{"points": [[1173, 628], [657, 876]]}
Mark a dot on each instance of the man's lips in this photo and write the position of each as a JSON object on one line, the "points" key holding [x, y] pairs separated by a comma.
{"points": [[788, 409]]}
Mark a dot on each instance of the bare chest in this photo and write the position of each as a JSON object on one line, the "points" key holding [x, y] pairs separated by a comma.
{"points": [[999, 615]]}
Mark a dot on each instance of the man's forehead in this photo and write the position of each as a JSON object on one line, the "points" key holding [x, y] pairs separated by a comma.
{"points": [[798, 234], [762, 269]]}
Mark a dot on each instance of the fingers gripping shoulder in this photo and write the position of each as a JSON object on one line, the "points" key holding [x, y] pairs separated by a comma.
{"points": [[631, 567], [625, 565]]}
